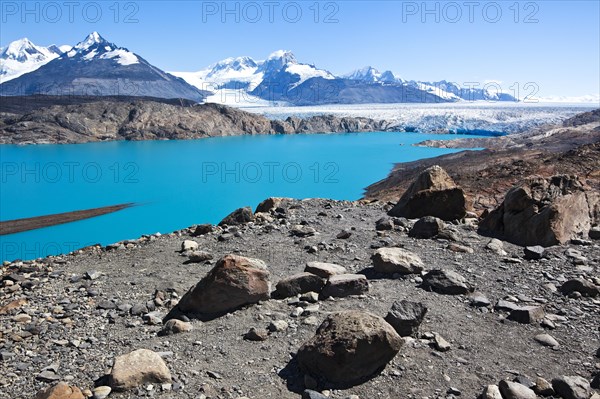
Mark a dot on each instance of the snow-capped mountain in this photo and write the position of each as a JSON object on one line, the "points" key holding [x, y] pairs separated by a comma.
{"points": [[22, 56], [244, 73], [369, 74], [281, 78], [98, 67]]}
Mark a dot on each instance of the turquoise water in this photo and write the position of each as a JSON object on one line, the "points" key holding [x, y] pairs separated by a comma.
{"points": [[180, 183]]}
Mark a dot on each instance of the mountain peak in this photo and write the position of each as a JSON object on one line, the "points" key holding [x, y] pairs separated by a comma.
{"points": [[91, 40], [18, 49], [281, 54]]}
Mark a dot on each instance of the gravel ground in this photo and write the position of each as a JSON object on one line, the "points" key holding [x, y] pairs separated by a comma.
{"points": [[76, 318]]}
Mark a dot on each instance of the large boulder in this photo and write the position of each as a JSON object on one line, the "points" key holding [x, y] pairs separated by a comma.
{"points": [[433, 193], [543, 212], [136, 368], [235, 281], [349, 347]]}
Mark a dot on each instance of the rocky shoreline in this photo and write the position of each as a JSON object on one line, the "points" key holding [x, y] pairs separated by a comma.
{"points": [[82, 120], [275, 288]]}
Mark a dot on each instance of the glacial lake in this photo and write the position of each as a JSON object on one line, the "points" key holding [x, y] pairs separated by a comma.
{"points": [[176, 184]]}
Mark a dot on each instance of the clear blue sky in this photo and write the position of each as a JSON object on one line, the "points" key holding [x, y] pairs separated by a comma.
{"points": [[555, 44]]}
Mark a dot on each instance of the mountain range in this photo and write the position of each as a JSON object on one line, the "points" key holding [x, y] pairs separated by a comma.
{"points": [[99, 68], [93, 67]]}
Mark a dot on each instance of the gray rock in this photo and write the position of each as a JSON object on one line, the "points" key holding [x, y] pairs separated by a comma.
{"points": [[497, 247], [203, 229], [477, 299], [189, 245], [491, 392], [385, 223], [324, 270], [343, 235], [343, 285], [301, 230], [594, 233], [534, 252], [396, 260], [278, 326], [101, 392], [298, 284], [506, 305], [199, 256], [527, 314], [514, 390], [547, 340], [572, 387], [255, 334], [426, 227], [47, 376], [406, 317], [580, 285], [446, 282], [440, 343], [310, 394]]}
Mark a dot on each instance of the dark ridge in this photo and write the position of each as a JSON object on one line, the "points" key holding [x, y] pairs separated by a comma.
{"points": [[38, 222], [23, 104]]}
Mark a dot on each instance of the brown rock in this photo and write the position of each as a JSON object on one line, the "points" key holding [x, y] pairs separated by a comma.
{"points": [[16, 304], [235, 281], [60, 391], [237, 217], [136, 368], [433, 193], [542, 212], [175, 326], [349, 347], [269, 204]]}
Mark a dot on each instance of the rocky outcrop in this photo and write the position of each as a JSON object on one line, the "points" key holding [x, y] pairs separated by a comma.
{"points": [[106, 119], [235, 281], [349, 347], [543, 212], [433, 193]]}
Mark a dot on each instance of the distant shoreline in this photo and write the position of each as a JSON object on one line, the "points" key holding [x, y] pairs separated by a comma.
{"points": [[38, 222]]}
